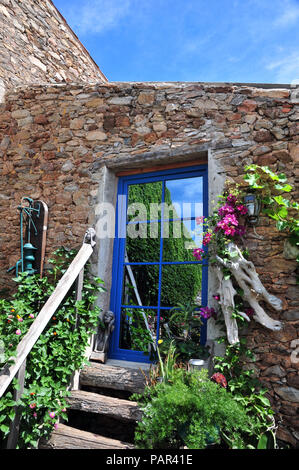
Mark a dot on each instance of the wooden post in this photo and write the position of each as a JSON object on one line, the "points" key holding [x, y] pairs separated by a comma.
{"points": [[15, 425]]}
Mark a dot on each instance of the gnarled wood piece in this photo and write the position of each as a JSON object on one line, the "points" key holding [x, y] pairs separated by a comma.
{"points": [[226, 293], [253, 290]]}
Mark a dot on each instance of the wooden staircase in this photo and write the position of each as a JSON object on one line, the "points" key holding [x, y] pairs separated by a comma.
{"points": [[100, 416]]}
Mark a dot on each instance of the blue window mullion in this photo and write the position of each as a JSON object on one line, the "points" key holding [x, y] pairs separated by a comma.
{"points": [[151, 263], [160, 261]]}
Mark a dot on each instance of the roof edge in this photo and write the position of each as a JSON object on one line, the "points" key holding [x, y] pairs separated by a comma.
{"points": [[77, 39]]}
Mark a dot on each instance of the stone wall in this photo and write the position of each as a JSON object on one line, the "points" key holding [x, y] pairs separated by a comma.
{"points": [[55, 141], [37, 46]]}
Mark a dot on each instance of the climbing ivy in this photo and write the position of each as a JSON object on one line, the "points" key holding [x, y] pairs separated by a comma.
{"points": [[59, 351]]}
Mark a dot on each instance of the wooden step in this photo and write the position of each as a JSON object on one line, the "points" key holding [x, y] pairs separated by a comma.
{"points": [[112, 377], [65, 437], [122, 410]]}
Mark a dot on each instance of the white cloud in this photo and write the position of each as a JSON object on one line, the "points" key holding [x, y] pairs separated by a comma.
{"points": [[289, 15], [97, 16], [287, 69]]}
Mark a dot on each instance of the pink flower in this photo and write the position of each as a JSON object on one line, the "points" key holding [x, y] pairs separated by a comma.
{"points": [[32, 406], [224, 224], [199, 220], [241, 230], [231, 199], [207, 238], [207, 312], [63, 410], [230, 231], [34, 415], [55, 426], [216, 297], [31, 315], [18, 332], [242, 209], [226, 209], [231, 219], [52, 414], [197, 253], [20, 319]]}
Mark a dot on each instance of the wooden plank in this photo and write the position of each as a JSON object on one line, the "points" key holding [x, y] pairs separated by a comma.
{"points": [[15, 425], [141, 170], [122, 410], [79, 288], [65, 437], [41, 321], [116, 378]]}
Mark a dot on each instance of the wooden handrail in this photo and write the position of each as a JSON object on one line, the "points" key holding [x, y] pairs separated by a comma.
{"points": [[8, 373]]}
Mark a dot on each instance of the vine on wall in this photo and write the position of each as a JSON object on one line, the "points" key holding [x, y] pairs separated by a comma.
{"points": [[58, 353], [240, 289]]}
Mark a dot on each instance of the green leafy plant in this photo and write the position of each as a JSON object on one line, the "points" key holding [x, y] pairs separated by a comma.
{"points": [[270, 188], [185, 349], [59, 351], [185, 317], [139, 337], [191, 411], [246, 389], [182, 330]]}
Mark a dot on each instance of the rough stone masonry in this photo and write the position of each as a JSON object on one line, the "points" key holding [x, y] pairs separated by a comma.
{"points": [[60, 129], [38, 46], [55, 140]]}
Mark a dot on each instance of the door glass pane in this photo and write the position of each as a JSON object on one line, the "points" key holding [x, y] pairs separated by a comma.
{"points": [[186, 195], [181, 283], [143, 242], [141, 284], [180, 238], [137, 328], [143, 201]]}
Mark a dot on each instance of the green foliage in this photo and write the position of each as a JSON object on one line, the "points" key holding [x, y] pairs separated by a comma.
{"points": [[148, 249], [55, 356], [139, 336], [191, 411], [184, 332], [186, 349], [186, 316], [245, 388], [270, 187]]}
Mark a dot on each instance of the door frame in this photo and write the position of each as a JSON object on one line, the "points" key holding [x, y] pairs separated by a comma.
{"points": [[115, 352]]}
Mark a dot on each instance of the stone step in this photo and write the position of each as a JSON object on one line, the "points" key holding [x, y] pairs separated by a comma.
{"points": [[66, 437], [122, 410], [98, 375]]}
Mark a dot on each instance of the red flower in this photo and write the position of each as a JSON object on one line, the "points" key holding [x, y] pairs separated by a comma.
{"points": [[219, 379]]}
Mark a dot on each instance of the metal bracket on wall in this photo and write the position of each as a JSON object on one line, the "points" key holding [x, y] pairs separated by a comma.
{"points": [[33, 228]]}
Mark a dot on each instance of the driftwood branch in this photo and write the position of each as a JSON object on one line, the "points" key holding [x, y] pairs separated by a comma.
{"points": [[254, 291]]}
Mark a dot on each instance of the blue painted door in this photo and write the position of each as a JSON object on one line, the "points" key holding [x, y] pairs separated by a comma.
{"points": [[157, 227]]}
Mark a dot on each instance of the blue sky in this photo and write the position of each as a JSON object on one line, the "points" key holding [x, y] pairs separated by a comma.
{"points": [[189, 40]]}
